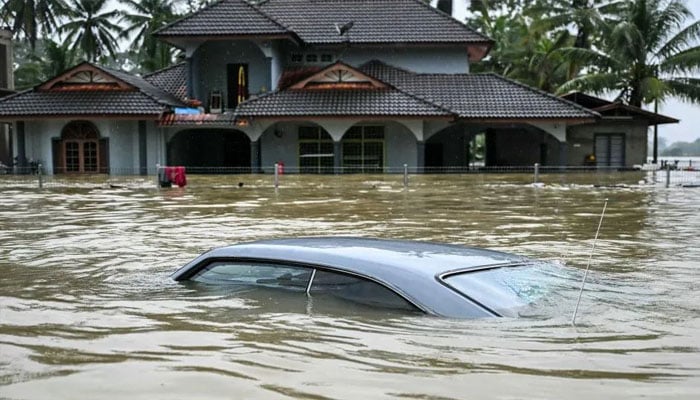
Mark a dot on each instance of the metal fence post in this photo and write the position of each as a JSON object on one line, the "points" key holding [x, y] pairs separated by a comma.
{"points": [[668, 176], [277, 176], [38, 171], [537, 172], [405, 176], [157, 176]]}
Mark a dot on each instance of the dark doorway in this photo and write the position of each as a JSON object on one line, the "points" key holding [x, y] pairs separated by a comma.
{"points": [[237, 84], [543, 154], [211, 151], [433, 156]]}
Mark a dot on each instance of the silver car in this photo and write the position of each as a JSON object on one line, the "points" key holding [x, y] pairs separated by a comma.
{"points": [[436, 279]]}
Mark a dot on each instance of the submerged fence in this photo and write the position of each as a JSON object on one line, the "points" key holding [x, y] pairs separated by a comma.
{"points": [[276, 176]]}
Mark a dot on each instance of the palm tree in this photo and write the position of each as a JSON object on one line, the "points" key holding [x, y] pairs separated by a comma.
{"points": [[30, 17], [90, 28], [46, 61], [147, 17], [646, 56]]}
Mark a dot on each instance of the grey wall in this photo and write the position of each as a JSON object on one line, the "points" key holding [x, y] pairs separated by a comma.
{"points": [[435, 59], [580, 139]]}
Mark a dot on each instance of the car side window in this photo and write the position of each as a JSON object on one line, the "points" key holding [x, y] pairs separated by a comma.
{"points": [[255, 274], [358, 290]]}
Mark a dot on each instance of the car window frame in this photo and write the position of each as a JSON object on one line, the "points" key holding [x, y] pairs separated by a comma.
{"points": [[205, 263], [442, 276]]}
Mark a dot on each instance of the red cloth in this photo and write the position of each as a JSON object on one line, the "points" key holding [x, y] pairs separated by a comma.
{"points": [[176, 175]]}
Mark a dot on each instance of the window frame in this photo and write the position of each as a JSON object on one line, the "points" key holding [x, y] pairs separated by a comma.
{"points": [[322, 137], [362, 140], [313, 267]]}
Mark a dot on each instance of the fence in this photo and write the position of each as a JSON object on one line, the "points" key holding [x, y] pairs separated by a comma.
{"points": [[274, 176]]}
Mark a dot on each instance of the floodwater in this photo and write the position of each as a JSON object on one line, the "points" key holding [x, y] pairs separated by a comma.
{"points": [[87, 309]]}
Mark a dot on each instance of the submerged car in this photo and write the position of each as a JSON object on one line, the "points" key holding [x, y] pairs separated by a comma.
{"points": [[436, 279]]}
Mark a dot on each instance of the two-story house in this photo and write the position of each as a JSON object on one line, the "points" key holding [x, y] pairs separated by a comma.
{"points": [[318, 85]]}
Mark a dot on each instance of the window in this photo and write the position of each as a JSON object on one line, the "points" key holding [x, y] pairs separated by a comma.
{"points": [[508, 290], [78, 149], [315, 150], [237, 84], [255, 274], [610, 149], [296, 278], [357, 290], [363, 149], [296, 57], [311, 58]]}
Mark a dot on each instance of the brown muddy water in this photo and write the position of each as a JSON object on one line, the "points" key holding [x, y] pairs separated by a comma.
{"points": [[87, 309]]}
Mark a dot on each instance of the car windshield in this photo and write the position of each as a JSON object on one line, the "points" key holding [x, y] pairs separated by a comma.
{"points": [[508, 290]]}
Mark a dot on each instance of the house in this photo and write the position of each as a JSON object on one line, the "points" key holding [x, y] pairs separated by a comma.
{"points": [[619, 137], [317, 85]]}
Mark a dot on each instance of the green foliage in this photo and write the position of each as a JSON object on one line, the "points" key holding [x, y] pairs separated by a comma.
{"points": [[47, 60], [29, 19], [638, 49], [143, 18], [91, 29]]}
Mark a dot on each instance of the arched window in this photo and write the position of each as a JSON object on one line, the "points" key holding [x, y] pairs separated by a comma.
{"points": [[79, 149]]}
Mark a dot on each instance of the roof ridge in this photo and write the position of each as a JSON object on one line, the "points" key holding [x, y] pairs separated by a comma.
{"points": [[268, 16], [216, 4], [542, 92], [451, 18], [404, 91], [111, 71], [13, 95], [150, 74]]}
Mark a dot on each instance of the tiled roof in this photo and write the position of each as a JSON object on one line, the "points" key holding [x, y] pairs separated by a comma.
{"points": [[144, 86], [374, 102], [224, 18], [314, 21], [139, 99], [172, 79], [32, 103], [479, 96]]}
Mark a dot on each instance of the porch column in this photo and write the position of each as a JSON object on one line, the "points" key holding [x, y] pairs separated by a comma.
{"points": [[143, 150], [337, 156], [255, 156], [21, 146], [420, 156]]}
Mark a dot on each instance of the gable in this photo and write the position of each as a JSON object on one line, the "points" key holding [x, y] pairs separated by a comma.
{"points": [[339, 76], [85, 77]]}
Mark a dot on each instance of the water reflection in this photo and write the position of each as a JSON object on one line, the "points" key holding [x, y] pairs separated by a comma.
{"points": [[87, 308]]}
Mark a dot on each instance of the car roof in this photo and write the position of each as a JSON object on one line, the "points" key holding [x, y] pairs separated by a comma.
{"points": [[408, 267]]}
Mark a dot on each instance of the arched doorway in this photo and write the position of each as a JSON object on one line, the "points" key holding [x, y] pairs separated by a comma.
{"points": [[80, 150], [210, 151]]}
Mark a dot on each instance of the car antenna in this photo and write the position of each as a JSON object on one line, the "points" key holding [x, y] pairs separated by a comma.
{"points": [[590, 257]]}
